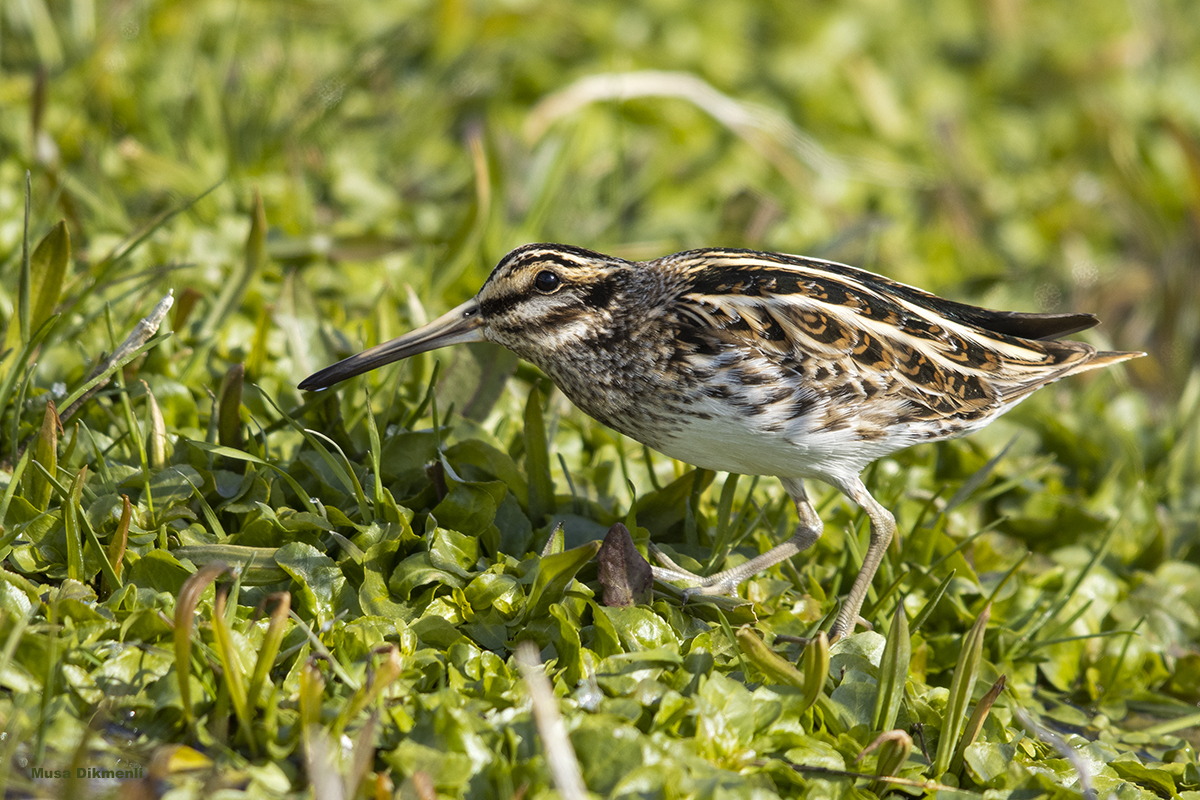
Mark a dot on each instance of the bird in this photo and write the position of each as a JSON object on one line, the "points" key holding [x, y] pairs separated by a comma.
{"points": [[758, 363]]}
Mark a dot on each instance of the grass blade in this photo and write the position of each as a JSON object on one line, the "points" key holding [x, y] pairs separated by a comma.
{"points": [[344, 470], [366, 694], [927, 609], [110, 262], [975, 723], [13, 482], [893, 672], [961, 686], [18, 367], [15, 632], [376, 456], [71, 512], [45, 452], [977, 479], [276, 628], [232, 669], [185, 614], [228, 452], [311, 690], [35, 304], [229, 405]]}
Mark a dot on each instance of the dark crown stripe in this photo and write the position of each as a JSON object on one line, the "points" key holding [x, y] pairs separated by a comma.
{"points": [[559, 259], [564, 255]]}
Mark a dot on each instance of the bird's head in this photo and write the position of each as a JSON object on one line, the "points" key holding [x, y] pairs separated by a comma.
{"points": [[540, 298]]}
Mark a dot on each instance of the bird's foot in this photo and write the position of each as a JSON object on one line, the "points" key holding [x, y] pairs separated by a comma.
{"points": [[720, 584], [841, 628]]}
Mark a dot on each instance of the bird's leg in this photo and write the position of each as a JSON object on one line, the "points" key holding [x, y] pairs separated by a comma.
{"points": [[883, 528], [806, 535]]}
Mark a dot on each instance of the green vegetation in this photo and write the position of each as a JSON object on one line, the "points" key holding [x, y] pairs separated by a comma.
{"points": [[229, 587]]}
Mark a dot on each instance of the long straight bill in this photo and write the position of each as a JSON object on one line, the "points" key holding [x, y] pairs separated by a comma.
{"points": [[461, 324]]}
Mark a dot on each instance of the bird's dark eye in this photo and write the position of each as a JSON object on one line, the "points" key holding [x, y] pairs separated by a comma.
{"points": [[547, 282]]}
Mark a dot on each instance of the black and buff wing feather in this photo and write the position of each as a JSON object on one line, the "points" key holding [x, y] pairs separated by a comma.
{"points": [[847, 333]]}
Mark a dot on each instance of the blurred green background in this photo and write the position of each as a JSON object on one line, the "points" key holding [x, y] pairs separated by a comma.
{"points": [[1021, 154]]}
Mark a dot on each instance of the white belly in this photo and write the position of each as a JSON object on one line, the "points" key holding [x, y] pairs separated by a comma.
{"points": [[746, 445]]}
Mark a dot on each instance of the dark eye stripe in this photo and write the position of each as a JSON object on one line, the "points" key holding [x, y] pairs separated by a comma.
{"points": [[600, 293], [495, 306]]}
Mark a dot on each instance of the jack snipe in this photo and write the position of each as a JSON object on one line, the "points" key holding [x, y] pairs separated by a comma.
{"points": [[757, 363]]}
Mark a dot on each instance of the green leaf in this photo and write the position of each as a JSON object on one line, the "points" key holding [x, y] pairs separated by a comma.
{"points": [[552, 577], [374, 595], [174, 484], [48, 266], [987, 762], [496, 591], [418, 570], [257, 564], [640, 629], [238, 455], [45, 452], [476, 460], [608, 747], [158, 570], [320, 586], [567, 645], [453, 552], [1129, 767], [470, 508]]}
